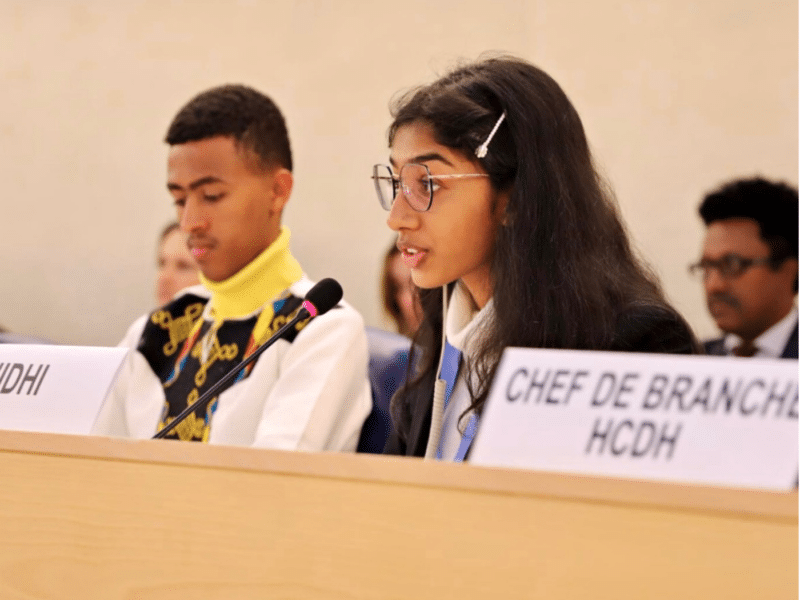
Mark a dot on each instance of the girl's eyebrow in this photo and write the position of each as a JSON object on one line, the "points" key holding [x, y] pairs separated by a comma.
{"points": [[425, 158]]}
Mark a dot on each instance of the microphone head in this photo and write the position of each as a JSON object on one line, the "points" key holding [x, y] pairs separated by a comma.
{"points": [[323, 297]]}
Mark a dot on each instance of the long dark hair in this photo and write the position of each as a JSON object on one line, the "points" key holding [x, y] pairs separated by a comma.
{"points": [[563, 269]]}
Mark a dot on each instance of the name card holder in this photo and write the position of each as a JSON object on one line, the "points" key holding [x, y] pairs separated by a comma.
{"points": [[55, 389], [689, 419]]}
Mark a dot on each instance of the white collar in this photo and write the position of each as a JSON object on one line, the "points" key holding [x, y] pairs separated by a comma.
{"points": [[464, 320], [772, 342]]}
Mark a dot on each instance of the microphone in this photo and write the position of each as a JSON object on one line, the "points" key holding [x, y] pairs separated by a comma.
{"points": [[322, 297], [319, 300]]}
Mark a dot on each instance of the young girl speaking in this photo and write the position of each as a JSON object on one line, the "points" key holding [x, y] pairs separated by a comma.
{"points": [[512, 238]]}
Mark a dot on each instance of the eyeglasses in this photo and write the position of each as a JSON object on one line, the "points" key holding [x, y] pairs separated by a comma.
{"points": [[729, 266], [415, 180]]}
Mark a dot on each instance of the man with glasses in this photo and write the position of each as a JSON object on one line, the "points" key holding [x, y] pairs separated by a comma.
{"points": [[749, 268]]}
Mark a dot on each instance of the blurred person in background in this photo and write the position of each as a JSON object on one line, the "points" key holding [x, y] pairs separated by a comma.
{"points": [[749, 268], [400, 297], [8, 337], [176, 266]]}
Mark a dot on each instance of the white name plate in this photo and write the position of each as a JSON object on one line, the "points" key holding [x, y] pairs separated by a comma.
{"points": [[690, 419], [54, 389]]}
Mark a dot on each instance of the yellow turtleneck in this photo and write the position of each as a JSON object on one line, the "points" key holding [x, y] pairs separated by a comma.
{"points": [[260, 281]]}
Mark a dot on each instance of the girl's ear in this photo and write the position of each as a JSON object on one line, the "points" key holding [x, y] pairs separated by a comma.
{"points": [[500, 208]]}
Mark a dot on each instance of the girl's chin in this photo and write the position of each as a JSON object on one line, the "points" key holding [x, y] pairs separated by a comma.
{"points": [[427, 281]]}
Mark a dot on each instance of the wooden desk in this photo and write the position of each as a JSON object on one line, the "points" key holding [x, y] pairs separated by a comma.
{"points": [[95, 518]]}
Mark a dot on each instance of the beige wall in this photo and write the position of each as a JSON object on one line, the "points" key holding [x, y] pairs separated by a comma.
{"points": [[676, 96]]}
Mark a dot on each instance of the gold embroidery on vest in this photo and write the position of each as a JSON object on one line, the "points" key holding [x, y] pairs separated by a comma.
{"points": [[274, 325], [302, 324], [281, 320], [212, 408], [193, 427], [179, 329], [224, 352]]}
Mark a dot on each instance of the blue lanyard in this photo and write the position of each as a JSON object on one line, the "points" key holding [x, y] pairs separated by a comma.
{"points": [[450, 366]]}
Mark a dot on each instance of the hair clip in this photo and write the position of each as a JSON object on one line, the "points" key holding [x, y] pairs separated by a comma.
{"points": [[481, 150]]}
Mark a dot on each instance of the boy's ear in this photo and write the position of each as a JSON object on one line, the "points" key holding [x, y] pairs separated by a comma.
{"points": [[282, 182]]}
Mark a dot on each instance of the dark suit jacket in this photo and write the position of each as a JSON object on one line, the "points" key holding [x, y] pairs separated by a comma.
{"points": [[639, 329], [716, 347]]}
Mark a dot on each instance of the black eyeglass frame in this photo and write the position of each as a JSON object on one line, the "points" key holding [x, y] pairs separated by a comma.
{"points": [[387, 203], [729, 266]]}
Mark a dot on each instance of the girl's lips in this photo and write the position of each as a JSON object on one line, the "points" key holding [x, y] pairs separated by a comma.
{"points": [[412, 259], [199, 252]]}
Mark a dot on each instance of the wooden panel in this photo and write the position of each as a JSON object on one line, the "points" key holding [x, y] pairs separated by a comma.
{"points": [[88, 518]]}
